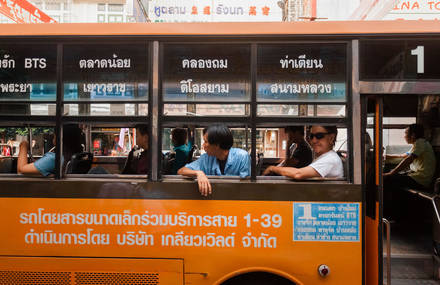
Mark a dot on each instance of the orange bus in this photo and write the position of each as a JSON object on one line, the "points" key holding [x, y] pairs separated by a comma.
{"points": [[94, 225]]}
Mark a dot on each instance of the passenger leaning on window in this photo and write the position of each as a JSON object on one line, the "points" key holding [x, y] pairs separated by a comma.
{"points": [[220, 158], [72, 139], [327, 162]]}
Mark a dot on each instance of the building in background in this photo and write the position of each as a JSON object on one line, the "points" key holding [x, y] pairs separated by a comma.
{"points": [[84, 11], [107, 11]]}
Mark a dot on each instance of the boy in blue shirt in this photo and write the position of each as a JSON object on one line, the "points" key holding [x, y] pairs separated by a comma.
{"points": [[220, 158]]}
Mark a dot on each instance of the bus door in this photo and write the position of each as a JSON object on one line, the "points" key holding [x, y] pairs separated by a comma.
{"points": [[399, 80], [372, 179]]}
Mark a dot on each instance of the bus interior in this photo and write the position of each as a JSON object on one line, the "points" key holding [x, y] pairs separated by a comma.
{"points": [[411, 237]]}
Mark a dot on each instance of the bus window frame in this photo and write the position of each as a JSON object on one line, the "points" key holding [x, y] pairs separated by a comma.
{"points": [[157, 104], [260, 121]]}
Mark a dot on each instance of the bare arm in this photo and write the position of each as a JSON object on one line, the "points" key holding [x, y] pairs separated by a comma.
{"points": [[22, 163], [402, 165], [403, 155], [203, 181], [292, 172]]}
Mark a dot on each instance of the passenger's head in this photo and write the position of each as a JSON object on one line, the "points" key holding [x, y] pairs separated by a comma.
{"points": [[294, 133], [179, 136], [142, 136], [414, 132], [72, 139], [217, 137], [322, 138]]}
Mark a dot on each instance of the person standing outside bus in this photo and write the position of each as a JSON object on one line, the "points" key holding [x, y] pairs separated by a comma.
{"points": [[299, 153], [220, 159]]}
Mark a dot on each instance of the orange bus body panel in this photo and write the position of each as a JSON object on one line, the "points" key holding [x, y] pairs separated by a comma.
{"points": [[32, 231], [223, 29]]}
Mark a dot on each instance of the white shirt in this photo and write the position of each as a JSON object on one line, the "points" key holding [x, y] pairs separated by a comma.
{"points": [[328, 165]]}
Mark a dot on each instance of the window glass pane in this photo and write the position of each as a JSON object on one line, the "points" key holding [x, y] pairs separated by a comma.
{"points": [[105, 109], [108, 141], [277, 110], [330, 110], [110, 147], [206, 110], [28, 109], [42, 140], [115, 8], [10, 138], [399, 120], [241, 136], [53, 6], [28, 72], [106, 72], [101, 18], [242, 139], [206, 72], [399, 59], [115, 18], [302, 72], [275, 146], [301, 110], [101, 7]]}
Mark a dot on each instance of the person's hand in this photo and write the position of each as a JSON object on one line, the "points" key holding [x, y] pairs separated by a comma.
{"points": [[268, 170], [204, 185]]}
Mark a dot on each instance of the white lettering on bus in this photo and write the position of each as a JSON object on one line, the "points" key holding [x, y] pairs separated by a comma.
{"points": [[301, 63], [187, 86], [205, 63], [105, 63]]}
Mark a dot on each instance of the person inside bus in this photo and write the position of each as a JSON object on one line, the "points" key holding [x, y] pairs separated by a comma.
{"points": [[421, 162], [72, 143], [137, 161], [299, 153], [220, 158], [182, 148], [327, 163]]}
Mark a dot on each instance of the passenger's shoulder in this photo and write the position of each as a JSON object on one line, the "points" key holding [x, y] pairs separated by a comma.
{"points": [[239, 152]]}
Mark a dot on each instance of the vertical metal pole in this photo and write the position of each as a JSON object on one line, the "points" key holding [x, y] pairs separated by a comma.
{"points": [[59, 109], [154, 101], [356, 118], [253, 113], [388, 229]]}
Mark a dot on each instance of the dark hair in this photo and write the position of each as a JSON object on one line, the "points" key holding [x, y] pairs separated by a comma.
{"points": [[330, 130], [219, 134], [179, 136], [72, 140], [142, 128], [416, 130], [294, 129]]}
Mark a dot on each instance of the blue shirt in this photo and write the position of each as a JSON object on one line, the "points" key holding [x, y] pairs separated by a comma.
{"points": [[182, 153], [46, 164], [237, 164]]}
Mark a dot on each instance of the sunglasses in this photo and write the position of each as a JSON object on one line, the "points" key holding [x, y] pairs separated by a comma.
{"points": [[318, 136]]}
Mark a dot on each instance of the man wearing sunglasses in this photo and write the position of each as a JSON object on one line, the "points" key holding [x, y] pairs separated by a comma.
{"points": [[327, 162]]}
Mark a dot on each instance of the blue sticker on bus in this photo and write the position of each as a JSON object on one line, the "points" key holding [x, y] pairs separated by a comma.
{"points": [[326, 222]]}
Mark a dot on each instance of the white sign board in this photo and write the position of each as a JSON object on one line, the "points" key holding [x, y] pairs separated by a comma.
{"points": [[415, 10], [214, 11]]}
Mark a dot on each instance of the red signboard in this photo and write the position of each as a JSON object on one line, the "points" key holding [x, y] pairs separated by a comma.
{"points": [[21, 11]]}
